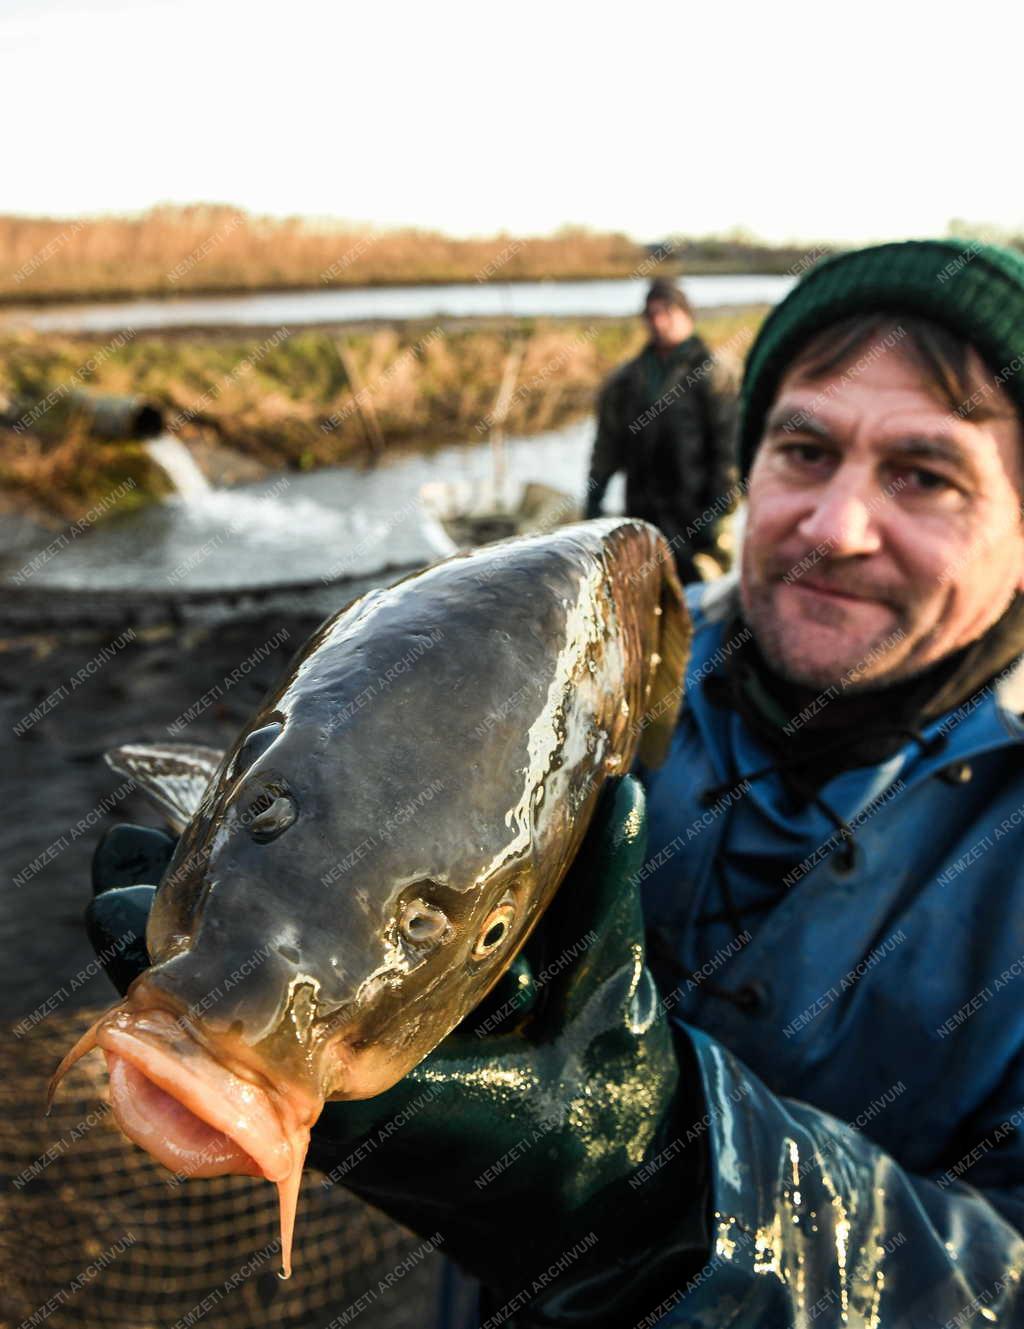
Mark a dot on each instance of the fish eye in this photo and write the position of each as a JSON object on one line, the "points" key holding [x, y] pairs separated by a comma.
{"points": [[497, 926], [271, 812], [254, 746], [422, 923]]}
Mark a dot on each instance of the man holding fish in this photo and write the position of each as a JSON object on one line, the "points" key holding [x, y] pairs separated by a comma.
{"points": [[780, 1079]]}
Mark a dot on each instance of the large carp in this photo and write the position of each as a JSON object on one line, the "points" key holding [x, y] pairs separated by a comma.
{"points": [[360, 867]]}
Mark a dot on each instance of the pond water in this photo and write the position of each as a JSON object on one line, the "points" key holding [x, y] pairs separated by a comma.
{"points": [[457, 300], [336, 523]]}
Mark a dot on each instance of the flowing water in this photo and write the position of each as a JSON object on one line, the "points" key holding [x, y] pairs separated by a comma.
{"points": [[176, 460], [338, 523], [529, 299]]}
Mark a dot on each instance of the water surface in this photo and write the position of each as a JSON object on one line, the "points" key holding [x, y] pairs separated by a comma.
{"points": [[613, 298]]}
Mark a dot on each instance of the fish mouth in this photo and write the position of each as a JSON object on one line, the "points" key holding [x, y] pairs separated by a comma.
{"points": [[196, 1114], [174, 1133], [182, 1104]]}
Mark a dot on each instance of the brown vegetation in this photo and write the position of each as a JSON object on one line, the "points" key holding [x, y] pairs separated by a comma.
{"points": [[210, 248], [310, 398], [168, 251]]}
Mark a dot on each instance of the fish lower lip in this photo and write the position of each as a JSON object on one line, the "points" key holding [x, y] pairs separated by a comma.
{"points": [[169, 1130], [197, 1104]]}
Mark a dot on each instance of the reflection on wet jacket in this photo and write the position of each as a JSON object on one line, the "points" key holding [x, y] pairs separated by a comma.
{"points": [[861, 1039], [667, 422]]}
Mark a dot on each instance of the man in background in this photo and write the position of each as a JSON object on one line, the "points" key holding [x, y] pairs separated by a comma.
{"points": [[665, 419]]}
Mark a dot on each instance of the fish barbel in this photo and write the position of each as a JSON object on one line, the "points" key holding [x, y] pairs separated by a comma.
{"points": [[362, 865]]}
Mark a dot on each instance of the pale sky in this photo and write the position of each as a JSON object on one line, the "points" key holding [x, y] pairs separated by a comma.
{"points": [[795, 120]]}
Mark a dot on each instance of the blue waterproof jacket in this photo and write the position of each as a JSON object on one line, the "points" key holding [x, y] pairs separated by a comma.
{"points": [[860, 1038]]}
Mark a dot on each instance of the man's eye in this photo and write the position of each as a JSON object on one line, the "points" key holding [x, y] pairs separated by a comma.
{"points": [[915, 479], [803, 454]]}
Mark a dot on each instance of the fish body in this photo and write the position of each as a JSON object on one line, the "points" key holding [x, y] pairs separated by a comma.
{"points": [[368, 857]]}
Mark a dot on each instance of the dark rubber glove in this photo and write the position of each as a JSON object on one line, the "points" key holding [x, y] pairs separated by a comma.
{"points": [[115, 918], [545, 1138]]}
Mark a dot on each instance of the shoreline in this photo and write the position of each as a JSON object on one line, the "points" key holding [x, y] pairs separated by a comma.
{"points": [[449, 323], [36, 300]]}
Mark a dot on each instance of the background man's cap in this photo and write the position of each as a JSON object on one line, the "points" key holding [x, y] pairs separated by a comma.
{"points": [[976, 290], [663, 289]]}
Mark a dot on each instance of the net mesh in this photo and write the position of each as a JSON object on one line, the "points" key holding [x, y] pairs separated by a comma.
{"points": [[94, 1233]]}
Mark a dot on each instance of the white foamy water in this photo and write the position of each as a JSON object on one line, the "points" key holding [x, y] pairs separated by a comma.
{"points": [[272, 517], [171, 455]]}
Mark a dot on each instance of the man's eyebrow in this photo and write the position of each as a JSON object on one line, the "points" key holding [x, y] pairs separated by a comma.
{"points": [[934, 447], [791, 421]]}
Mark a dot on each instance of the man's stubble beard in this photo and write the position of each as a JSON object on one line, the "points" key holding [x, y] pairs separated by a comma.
{"points": [[775, 644], [759, 615]]}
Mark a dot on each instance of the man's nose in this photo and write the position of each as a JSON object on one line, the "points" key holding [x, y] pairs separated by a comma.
{"points": [[843, 516]]}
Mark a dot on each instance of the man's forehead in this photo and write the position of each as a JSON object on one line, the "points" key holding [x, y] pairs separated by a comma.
{"points": [[891, 392], [793, 413]]}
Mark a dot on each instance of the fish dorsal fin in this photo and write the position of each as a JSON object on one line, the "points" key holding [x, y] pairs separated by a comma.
{"points": [[175, 776], [665, 699]]}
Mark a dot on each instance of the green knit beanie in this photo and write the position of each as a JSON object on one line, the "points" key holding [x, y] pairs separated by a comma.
{"points": [[976, 290]]}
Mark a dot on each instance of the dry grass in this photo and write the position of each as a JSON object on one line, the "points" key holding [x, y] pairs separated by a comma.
{"points": [[208, 248], [64, 479], [288, 403]]}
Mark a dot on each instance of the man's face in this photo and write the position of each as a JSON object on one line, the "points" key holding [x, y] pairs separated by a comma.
{"points": [[669, 325], [883, 531]]}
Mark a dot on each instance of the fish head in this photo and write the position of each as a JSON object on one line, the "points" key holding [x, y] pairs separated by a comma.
{"points": [[333, 934], [382, 837]]}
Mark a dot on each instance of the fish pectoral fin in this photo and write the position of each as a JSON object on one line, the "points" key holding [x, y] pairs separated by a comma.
{"points": [[174, 776], [665, 698]]}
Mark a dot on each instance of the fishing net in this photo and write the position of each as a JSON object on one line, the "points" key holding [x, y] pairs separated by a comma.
{"points": [[94, 1233]]}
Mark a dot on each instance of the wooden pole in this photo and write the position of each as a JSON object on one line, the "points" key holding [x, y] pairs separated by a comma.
{"points": [[499, 414]]}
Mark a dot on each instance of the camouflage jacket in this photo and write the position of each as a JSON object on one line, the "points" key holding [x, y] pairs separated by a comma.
{"points": [[668, 423]]}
